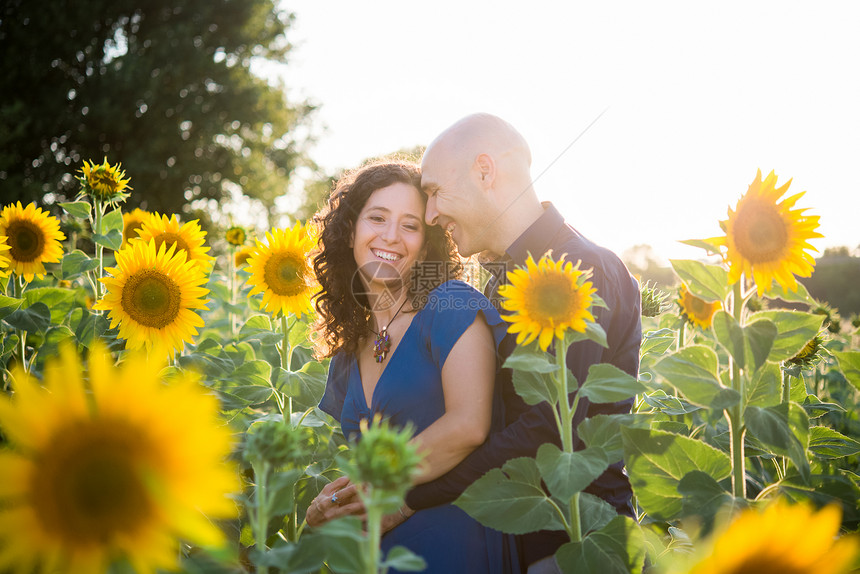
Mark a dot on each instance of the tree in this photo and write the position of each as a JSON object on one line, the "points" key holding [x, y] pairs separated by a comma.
{"points": [[163, 86]]}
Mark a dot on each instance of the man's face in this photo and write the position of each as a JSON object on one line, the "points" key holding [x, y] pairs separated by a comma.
{"points": [[453, 203]]}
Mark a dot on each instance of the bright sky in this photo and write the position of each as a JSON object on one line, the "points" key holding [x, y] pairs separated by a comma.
{"points": [[695, 97]]}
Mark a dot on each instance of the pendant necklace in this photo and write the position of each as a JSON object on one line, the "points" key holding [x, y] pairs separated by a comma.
{"points": [[382, 343]]}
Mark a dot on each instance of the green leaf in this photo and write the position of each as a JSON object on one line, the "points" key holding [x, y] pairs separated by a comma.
{"points": [[703, 496], [693, 371], [9, 305], [55, 336], [825, 442], [535, 387], [794, 330], [34, 319], [59, 301], [91, 327], [617, 548], [815, 408], [668, 404], [511, 499], [656, 463], [254, 372], [530, 358], [594, 512], [300, 334], [112, 239], [657, 342], [607, 383], [259, 327], [777, 291], [280, 492], [702, 244], [707, 282], [112, 221], [593, 332], [849, 364], [402, 559], [749, 346], [604, 432], [79, 209], [764, 388], [304, 557], [785, 429], [77, 262], [567, 473]]}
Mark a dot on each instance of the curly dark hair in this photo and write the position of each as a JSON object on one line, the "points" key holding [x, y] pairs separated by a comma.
{"points": [[342, 307]]}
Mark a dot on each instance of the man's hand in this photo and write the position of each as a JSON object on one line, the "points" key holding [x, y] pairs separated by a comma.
{"points": [[337, 498], [394, 519]]}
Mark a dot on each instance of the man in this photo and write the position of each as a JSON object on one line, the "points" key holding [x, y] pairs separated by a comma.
{"points": [[478, 185]]}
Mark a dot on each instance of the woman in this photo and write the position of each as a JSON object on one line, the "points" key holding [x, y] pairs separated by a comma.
{"points": [[409, 344]]}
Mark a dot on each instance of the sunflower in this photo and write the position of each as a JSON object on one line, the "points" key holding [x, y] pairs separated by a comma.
{"points": [[766, 239], [241, 257], [104, 182], [235, 235], [188, 237], [152, 295], [695, 310], [131, 224], [546, 299], [122, 466], [783, 538], [4, 259], [281, 271], [33, 238]]}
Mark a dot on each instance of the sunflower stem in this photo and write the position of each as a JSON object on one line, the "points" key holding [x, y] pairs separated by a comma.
{"points": [[735, 414], [566, 411], [374, 534], [18, 285], [231, 316], [261, 474], [97, 230], [286, 355]]}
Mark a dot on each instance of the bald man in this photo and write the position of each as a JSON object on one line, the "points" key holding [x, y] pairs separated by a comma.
{"points": [[476, 175]]}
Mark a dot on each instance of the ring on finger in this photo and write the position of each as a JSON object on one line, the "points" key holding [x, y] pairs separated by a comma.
{"points": [[334, 499]]}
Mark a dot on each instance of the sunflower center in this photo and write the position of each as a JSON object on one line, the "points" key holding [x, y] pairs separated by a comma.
{"points": [[552, 299], [761, 233], [172, 239], [26, 241], [151, 298], [90, 485], [284, 274], [104, 181], [698, 307]]}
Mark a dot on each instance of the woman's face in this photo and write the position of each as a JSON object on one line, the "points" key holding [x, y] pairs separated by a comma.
{"points": [[389, 235]]}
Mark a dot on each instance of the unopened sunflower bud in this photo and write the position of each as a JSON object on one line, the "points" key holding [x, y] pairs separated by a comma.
{"points": [[235, 235], [654, 300], [104, 182], [384, 458], [274, 442]]}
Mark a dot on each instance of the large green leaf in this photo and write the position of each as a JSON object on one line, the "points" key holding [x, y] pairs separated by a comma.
{"points": [[9, 305], [254, 372], [77, 262], [535, 387], [826, 442], [530, 358], [794, 330], [567, 473], [764, 388], [511, 499], [604, 432], [59, 301], [693, 371], [656, 463], [607, 383], [657, 342], [403, 560], [785, 429], [703, 496], [707, 282], [750, 345], [112, 221], [668, 404], [303, 557], [79, 209], [777, 291], [849, 364], [34, 319], [259, 327], [617, 548], [112, 239]]}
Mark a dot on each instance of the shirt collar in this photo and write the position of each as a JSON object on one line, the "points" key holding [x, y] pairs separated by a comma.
{"points": [[537, 239]]}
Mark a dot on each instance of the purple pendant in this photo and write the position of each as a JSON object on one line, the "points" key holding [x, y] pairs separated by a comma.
{"points": [[381, 346]]}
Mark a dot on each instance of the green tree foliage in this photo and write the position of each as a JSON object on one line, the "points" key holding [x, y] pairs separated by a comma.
{"points": [[165, 87], [835, 280]]}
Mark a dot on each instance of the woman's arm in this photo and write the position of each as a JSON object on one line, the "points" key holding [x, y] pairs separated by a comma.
{"points": [[468, 377]]}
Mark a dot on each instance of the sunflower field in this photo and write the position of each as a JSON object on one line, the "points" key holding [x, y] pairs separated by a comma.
{"points": [[160, 390]]}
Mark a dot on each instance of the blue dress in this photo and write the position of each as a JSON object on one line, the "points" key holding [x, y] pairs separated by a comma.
{"points": [[410, 390]]}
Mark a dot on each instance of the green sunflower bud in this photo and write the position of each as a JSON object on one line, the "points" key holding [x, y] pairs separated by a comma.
{"points": [[384, 459], [654, 300], [809, 355], [276, 443], [832, 320]]}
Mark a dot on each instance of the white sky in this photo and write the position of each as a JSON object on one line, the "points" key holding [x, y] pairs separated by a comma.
{"points": [[696, 97]]}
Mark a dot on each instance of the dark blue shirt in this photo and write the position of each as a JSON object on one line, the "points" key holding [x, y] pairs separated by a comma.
{"points": [[527, 427]]}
